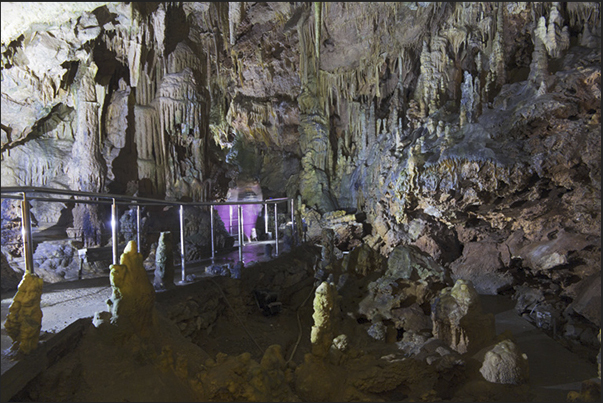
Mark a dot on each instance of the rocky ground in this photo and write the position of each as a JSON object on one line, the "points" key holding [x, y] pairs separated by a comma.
{"points": [[252, 338]]}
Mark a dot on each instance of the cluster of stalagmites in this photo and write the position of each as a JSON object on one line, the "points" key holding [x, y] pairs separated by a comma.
{"points": [[448, 346], [430, 355]]}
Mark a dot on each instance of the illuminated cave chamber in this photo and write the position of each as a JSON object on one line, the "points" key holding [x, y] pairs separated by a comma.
{"points": [[432, 172], [247, 192]]}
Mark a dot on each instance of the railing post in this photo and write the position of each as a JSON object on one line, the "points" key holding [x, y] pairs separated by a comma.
{"points": [[230, 219], [292, 223], [26, 233], [211, 230], [240, 234], [266, 218], [182, 256], [114, 224], [242, 224], [138, 228], [276, 229]]}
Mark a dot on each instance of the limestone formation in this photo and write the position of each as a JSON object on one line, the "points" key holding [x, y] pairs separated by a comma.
{"points": [[164, 263], [458, 318], [411, 276], [505, 364], [484, 264], [408, 263], [462, 129], [325, 316], [240, 378], [132, 304], [10, 277], [24, 319]]}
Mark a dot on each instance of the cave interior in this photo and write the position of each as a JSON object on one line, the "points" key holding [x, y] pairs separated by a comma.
{"points": [[439, 167]]}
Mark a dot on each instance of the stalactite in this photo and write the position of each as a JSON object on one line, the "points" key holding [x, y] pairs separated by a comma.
{"points": [[554, 37], [317, 28], [158, 24], [234, 19], [539, 65], [496, 75]]}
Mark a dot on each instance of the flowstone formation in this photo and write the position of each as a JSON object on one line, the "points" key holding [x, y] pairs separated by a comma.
{"points": [[24, 319], [132, 304], [458, 318]]}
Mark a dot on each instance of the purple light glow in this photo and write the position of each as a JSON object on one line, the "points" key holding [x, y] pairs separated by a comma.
{"points": [[229, 216]]}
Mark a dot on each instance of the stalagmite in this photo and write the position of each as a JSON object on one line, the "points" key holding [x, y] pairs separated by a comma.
{"points": [[467, 100], [505, 364], [164, 262], [539, 65], [497, 75], [24, 319], [132, 304], [325, 303], [554, 36], [458, 318]]}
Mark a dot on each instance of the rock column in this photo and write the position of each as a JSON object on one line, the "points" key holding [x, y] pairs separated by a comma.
{"points": [[164, 262], [325, 300], [87, 168]]}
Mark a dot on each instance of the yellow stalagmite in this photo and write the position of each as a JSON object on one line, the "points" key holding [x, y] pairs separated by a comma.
{"points": [[24, 319], [322, 331], [133, 301]]}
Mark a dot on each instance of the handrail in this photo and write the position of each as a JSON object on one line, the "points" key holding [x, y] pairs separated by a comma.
{"points": [[28, 193], [133, 199]]}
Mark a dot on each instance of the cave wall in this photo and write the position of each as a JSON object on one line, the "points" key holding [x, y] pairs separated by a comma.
{"points": [[470, 130]]}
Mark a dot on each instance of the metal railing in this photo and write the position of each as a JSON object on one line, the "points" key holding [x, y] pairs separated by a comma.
{"points": [[27, 194]]}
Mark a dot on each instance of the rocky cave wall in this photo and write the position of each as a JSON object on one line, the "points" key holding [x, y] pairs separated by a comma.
{"points": [[469, 130]]}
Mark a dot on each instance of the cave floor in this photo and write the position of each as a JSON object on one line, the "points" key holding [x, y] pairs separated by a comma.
{"points": [[554, 370]]}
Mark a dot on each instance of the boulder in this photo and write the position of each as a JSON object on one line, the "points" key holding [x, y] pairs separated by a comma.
{"points": [[587, 300], [505, 364], [10, 277], [484, 264], [409, 263], [411, 318]]}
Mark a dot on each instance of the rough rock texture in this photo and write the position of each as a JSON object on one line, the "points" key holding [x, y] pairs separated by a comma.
{"points": [[57, 260], [10, 277], [408, 263], [325, 307], [458, 318], [243, 379], [504, 363], [24, 319], [164, 262], [132, 304], [484, 263]]}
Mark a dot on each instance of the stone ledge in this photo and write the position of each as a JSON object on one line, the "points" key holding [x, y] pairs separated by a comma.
{"points": [[17, 374]]}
